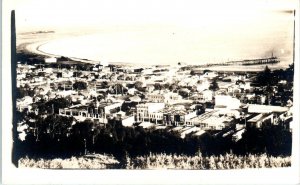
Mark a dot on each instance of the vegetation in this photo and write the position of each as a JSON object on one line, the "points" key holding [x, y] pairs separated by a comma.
{"points": [[84, 162], [53, 105], [63, 137], [199, 162], [21, 92], [269, 78], [214, 85], [161, 161], [80, 85]]}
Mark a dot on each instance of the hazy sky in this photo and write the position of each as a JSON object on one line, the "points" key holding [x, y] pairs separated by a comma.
{"points": [[246, 26], [32, 14]]}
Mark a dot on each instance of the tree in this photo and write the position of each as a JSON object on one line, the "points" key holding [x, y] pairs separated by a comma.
{"points": [[56, 104], [214, 85], [101, 97], [119, 89], [289, 72], [265, 77], [157, 86], [173, 87], [138, 85], [79, 85], [183, 93]]}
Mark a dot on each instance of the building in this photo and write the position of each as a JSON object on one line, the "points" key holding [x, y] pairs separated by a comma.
{"points": [[210, 121], [144, 110], [206, 95], [171, 116], [51, 60], [209, 74], [227, 102], [254, 108], [128, 121], [164, 97], [24, 103], [238, 135], [155, 97], [98, 113], [261, 119], [203, 85]]}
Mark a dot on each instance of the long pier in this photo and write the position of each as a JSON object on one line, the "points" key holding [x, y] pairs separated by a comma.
{"points": [[270, 60], [247, 62]]}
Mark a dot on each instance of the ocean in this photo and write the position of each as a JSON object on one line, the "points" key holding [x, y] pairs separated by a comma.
{"points": [[170, 45]]}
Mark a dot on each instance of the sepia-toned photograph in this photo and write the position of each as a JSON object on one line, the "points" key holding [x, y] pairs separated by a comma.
{"points": [[152, 85]]}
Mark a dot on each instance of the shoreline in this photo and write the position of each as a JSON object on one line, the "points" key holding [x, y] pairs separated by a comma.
{"points": [[34, 48]]}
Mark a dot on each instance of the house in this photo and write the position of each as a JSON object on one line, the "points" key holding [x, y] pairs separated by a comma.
{"points": [[135, 99], [97, 67], [203, 85], [172, 98], [21, 76], [131, 91], [150, 88], [24, 103], [77, 98], [65, 93], [67, 74], [206, 95], [261, 99]]}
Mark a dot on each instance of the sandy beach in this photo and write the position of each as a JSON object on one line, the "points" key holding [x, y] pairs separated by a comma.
{"points": [[41, 42], [32, 42]]}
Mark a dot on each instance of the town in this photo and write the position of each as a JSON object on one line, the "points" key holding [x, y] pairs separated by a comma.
{"points": [[181, 99]]}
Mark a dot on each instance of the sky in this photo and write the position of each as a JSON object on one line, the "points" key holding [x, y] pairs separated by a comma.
{"points": [[231, 27], [60, 14]]}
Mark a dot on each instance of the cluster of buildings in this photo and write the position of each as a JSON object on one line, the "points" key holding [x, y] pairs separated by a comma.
{"points": [[168, 97]]}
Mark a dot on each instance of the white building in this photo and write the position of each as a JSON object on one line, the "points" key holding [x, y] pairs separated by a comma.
{"points": [[254, 108], [206, 95], [128, 121], [24, 103], [204, 85], [164, 97], [144, 110], [227, 102], [51, 60], [209, 74]]}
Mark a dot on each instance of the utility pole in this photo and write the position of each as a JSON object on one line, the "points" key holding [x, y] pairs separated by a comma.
{"points": [[85, 150], [294, 37], [52, 108]]}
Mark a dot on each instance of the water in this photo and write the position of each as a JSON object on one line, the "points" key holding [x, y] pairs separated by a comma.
{"points": [[170, 45]]}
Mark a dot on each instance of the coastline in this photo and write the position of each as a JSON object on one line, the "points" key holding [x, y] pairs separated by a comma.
{"points": [[34, 46]]}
